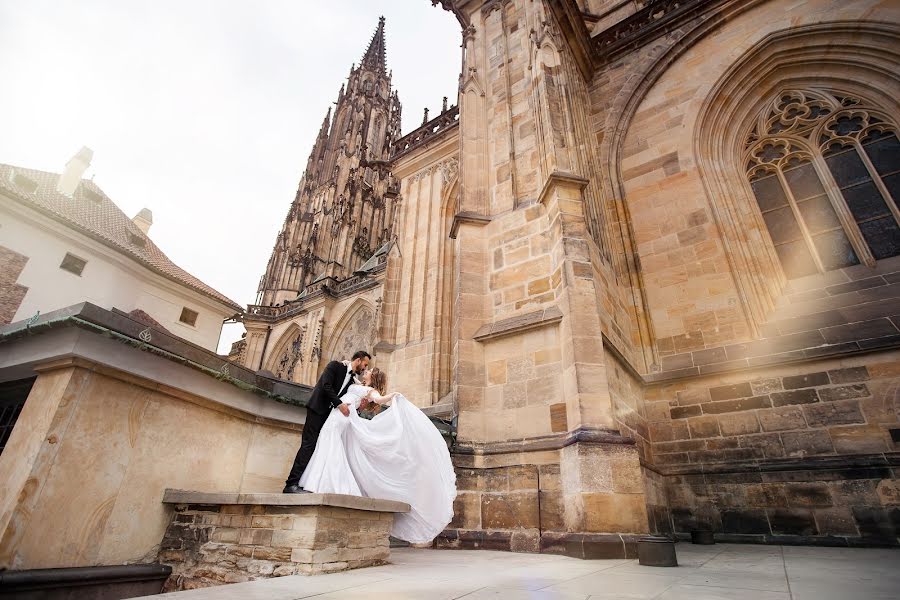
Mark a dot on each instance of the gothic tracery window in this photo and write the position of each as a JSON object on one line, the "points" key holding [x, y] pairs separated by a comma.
{"points": [[825, 171]]}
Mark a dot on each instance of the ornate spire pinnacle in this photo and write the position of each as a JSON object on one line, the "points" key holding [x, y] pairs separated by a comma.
{"points": [[374, 57], [323, 131]]}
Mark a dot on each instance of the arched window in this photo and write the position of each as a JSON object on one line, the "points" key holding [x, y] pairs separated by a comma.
{"points": [[825, 171]]}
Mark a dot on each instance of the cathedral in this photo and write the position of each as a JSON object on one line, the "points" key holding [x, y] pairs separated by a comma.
{"points": [[647, 263]]}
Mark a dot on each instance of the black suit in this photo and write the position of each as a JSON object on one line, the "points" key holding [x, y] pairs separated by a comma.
{"points": [[325, 396]]}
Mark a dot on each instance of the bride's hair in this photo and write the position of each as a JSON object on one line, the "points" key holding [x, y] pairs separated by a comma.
{"points": [[378, 380]]}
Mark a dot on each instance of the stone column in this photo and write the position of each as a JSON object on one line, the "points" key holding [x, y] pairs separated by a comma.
{"points": [[531, 365], [601, 479], [257, 332]]}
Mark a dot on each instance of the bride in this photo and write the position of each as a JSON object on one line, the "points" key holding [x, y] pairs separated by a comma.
{"points": [[398, 455]]}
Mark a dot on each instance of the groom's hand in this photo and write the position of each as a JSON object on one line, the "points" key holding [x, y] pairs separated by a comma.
{"points": [[344, 410]]}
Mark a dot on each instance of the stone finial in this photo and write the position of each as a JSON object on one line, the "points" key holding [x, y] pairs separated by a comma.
{"points": [[425, 118]]}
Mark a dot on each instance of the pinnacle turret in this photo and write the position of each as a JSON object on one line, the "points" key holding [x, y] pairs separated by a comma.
{"points": [[326, 123], [346, 202], [374, 58]]}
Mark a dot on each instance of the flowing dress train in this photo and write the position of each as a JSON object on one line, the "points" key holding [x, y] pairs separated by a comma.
{"points": [[398, 455]]}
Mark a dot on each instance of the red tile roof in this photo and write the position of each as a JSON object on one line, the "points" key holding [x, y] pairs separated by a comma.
{"points": [[91, 212]]}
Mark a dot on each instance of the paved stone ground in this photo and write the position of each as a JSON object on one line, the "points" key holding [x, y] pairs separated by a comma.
{"points": [[720, 572]]}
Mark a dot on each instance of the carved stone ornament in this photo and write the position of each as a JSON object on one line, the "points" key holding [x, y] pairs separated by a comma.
{"points": [[358, 335], [449, 169]]}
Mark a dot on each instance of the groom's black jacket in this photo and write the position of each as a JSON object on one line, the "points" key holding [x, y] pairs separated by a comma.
{"points": [[327, 393]]}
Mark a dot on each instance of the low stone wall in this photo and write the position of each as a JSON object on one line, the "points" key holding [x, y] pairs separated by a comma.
{"points": [[801, 454], [229, 538], [107, 426]]}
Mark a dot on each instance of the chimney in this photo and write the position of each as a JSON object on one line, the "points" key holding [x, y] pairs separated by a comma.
{"points": [[75, 168], [144, 220]]}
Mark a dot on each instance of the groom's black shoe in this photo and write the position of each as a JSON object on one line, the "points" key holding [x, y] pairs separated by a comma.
{"points": [[294, 489]]}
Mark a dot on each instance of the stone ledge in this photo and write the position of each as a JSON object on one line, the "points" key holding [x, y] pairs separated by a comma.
{"points": [[797, 356], [173, 496], [878, 465], [216, 538], [556, 441], [517, 324], [586, 546], [561, 179], [469, 217]]}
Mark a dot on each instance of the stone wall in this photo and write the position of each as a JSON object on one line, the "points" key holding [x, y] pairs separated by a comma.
{"points": [[499, 509], [212, 543], [416, 338], [804, 451], [11, 293], [94, 446]]}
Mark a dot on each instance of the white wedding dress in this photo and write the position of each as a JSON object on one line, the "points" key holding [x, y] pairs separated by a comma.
{"points": [[398, 455]]}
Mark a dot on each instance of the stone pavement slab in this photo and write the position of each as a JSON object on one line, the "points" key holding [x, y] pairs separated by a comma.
{"points": [[720, 572]]}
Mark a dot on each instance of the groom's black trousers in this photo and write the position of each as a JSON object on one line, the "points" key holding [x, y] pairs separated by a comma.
{"points": [[311, 429]]}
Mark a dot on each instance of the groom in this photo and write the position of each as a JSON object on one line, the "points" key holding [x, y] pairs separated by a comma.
{"points": [[333, 383]]}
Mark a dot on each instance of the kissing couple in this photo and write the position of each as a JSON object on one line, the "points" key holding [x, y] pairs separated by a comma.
{"points": [[397, 455]]}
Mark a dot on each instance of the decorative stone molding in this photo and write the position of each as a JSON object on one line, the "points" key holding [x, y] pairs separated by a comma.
{"points": [[549, 442], [449, 169], [518, 324], [560, 179], [356, 331], [469, 218], [431, 130], [384, 348], [656, 18]]}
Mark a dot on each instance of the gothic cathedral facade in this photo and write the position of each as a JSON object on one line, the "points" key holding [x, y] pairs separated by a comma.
{"points": [[648, 264]]}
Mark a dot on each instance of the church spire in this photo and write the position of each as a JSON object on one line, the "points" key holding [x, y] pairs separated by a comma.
{"points": [[326, 123], [374, 58]]}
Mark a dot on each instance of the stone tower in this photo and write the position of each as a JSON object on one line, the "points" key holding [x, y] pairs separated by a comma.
{"points": [[347, 200]]}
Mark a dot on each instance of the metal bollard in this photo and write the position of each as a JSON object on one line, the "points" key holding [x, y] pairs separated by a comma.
{"points": [[702, 537], [655, 551]]}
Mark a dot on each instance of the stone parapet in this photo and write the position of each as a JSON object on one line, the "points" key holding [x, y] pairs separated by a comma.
{"points": [[226, 538]]}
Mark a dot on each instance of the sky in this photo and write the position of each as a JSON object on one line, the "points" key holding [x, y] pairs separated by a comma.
{"points": [[204, 111]]}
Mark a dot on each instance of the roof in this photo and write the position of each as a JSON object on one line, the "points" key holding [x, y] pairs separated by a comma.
{"points": [[373, 260], [91, 212]]}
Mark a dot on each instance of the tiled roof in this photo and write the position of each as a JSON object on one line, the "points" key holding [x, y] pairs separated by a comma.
{"points": [[91, 212]]}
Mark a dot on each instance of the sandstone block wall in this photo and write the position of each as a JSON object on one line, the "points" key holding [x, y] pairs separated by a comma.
{"points": [[212, 545], [11, 293], [807, 451]]}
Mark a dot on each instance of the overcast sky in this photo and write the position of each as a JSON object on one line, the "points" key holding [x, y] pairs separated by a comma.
{"points": [[203, 111]]}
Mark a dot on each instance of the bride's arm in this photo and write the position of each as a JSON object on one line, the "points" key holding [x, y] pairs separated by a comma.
{"points": [[374, 396]]}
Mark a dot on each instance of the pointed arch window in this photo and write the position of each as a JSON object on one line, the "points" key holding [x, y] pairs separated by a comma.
{"points": [[825, 171]]}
